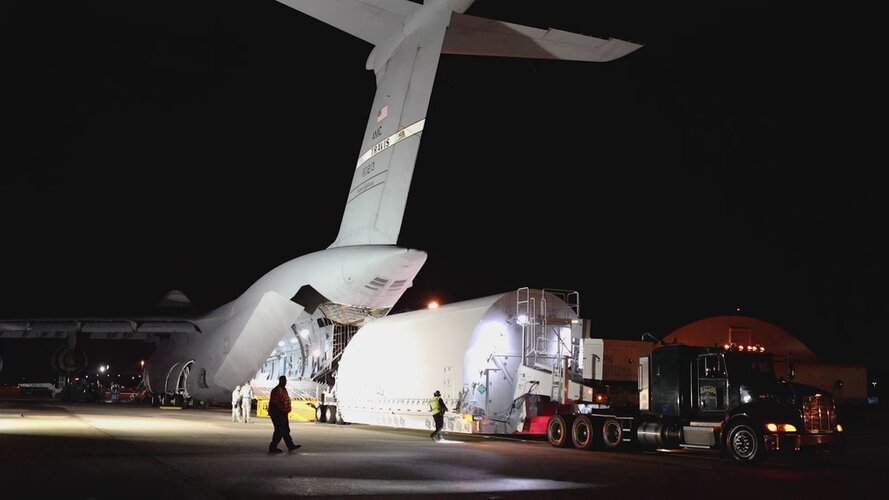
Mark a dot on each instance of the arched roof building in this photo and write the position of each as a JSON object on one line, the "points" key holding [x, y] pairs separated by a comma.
{"points": [[809, 369], [743, 330]]}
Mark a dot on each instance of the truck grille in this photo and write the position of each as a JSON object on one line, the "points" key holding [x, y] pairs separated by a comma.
{"points": [[818, 414]]}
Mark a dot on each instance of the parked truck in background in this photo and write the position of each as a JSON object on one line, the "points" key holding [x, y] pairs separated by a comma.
{"points": [[725, 398]]}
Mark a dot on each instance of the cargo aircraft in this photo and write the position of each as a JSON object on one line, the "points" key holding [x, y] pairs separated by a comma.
{"points": [[363, 272]]}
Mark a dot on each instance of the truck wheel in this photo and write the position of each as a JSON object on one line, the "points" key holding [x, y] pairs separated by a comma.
{"points": [[557, 431], [582, 435], [612, 433], [744, 444]]}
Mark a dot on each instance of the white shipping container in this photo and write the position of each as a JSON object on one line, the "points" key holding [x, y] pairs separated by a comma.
{"points": [[470, 351]]}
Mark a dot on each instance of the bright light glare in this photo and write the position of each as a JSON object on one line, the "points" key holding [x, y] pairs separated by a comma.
{"points": [[50, 423], [492, 329], [445, 441], [304, 333], [523, 319], [433, 305], [316, 353], [281, 344]]}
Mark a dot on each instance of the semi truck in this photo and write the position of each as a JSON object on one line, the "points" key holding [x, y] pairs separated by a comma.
{"points": [[727, 398], [524, 362]]}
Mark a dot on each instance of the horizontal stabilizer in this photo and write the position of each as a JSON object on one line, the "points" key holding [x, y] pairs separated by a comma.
{"points": [[370, 20], [477, 36]]}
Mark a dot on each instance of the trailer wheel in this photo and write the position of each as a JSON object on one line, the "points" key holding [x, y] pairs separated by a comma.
{"points": [[330, 414], [320, 414], [557, 431], [582, 434], [612, 433], [744, 444]]}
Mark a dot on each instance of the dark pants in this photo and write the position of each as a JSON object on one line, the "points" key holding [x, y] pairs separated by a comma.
{"points": [[282, 428], [439, 423]]}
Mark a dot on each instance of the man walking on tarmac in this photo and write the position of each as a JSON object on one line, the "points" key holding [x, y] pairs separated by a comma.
{"points": [[279, 408], [438, 408]]}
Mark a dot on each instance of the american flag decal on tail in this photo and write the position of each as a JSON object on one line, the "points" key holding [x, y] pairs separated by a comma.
{"points": [[383, 113]]}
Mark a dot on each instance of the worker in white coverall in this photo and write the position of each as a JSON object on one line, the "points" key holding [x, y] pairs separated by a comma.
{"points": [[246, 402], [236, 404]]}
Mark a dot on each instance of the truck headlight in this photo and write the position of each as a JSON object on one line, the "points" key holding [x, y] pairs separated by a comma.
{"points": [[772, 427]]}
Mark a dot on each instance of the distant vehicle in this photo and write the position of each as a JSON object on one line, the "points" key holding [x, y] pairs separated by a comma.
{"points": [[39, 388]]}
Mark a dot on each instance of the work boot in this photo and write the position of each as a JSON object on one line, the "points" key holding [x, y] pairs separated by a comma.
{"points": [[294, 447], [275, 451]]}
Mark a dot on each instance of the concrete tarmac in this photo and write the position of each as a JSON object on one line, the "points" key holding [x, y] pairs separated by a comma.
{"points": [[98, 451]]}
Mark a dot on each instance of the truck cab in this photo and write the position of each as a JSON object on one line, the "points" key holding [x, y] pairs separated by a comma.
{"points": [[730, 399]]}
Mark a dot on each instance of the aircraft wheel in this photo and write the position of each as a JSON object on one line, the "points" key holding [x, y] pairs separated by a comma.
{"points": [[321, 414]]}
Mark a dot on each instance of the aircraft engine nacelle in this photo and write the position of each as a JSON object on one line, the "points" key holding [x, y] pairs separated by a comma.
{"points": [[67, 360]]}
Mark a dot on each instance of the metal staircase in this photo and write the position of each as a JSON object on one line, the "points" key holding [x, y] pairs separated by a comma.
{"points": [[547, 335]]}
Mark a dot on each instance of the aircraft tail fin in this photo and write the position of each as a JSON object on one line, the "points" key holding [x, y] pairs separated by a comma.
{"points": [[405, 66], [408, 40]]}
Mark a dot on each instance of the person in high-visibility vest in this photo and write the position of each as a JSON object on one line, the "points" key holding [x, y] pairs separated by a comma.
{"points": [[438, 408]]}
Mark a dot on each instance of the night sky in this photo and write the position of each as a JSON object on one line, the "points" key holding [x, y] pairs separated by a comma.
{"points": [[197, 145]]}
